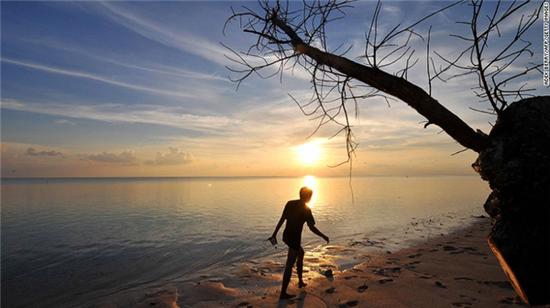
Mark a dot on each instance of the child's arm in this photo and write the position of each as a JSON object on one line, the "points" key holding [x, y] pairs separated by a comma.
{"points": [[273, 237], [319, 233], [311, 224]]}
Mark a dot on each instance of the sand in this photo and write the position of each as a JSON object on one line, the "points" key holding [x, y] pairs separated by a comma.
{"points": [[453, 270]]}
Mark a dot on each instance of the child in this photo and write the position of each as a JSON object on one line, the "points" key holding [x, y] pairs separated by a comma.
{"points": [[296, 213]]}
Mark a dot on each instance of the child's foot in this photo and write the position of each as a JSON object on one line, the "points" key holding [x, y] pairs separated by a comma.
{"points": [[286, 296], [301, 284]]}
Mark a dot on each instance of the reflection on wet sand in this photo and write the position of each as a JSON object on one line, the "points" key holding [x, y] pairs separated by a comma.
{"points": [[454, 270]]}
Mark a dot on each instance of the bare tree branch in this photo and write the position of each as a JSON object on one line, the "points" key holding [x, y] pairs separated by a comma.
{"points": [[287, 38]]}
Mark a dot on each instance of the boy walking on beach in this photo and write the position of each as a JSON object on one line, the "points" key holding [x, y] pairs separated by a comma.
{"points": [[296, 213]]}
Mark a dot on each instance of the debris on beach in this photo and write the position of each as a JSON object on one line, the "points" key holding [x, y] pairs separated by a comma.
{"points": [[362, 288], [327, 273]]}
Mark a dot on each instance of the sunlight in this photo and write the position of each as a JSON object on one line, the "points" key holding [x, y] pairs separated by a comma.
{"points": [[309, 153], [311, 182]]}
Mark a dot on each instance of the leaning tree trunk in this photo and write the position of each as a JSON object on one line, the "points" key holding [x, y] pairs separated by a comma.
{"points": [[516, 163]]}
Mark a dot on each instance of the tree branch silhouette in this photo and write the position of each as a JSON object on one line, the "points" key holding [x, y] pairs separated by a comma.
{"points": [[286, 38]]}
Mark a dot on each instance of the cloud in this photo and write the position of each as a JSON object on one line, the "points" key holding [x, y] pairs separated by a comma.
{"points": [[174, 156], [188, 42], [64, 122], [152, 68], [148, 114], [126, 157], [181, 40], [34, 152], [95, 77], [391, 9]]}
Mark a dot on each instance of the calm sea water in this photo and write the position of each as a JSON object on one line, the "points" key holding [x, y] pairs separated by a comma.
{"points": [[73, 242]]}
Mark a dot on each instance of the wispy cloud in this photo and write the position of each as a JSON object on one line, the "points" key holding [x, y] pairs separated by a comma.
{"points": [[181, 39], [185, 41], [149, 67], [148, 114], [95, 77], [64, 122], [391, 9]]}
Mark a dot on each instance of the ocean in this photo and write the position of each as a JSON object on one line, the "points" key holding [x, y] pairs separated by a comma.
{"points": [[74, 242]]}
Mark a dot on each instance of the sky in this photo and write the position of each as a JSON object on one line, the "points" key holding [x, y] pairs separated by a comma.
{"points": [[124, 89]]}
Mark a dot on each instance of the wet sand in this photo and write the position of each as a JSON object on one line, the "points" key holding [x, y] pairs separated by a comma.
{"points": [[453, 270]]}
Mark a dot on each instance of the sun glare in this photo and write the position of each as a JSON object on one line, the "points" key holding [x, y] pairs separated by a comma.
{"points": [[311, 182], [309, 153]]}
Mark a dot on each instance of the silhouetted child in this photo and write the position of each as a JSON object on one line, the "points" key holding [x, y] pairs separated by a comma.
{"points": [[296, 213]]}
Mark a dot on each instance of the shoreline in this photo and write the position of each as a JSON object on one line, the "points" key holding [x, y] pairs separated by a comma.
{"points": [[452, 270]]}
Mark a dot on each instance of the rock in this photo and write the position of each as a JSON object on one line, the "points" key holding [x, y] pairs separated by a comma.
{"points": [[516, 163], [362, 288], [330, 290], [328, 273]]}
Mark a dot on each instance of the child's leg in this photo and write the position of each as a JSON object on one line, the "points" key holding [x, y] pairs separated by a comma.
{"points": [[291, 258], [300, 267]]}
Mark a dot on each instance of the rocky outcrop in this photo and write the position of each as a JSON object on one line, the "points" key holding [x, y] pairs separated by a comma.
{"points": [[517, 166]]}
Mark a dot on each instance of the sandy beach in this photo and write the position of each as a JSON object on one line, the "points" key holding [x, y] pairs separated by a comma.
{"points": [[452, 270]]}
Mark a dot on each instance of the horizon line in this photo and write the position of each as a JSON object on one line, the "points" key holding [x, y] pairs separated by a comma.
{"points": [[220, 176]]}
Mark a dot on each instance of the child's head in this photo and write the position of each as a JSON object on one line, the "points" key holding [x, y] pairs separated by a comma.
{"points": [[305, 194]]}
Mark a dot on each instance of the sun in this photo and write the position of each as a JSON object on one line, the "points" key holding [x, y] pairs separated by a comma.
{"points": [[309, 153]]}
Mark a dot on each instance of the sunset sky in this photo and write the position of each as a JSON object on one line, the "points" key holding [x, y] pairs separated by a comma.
{"points": [[141, 89]]}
